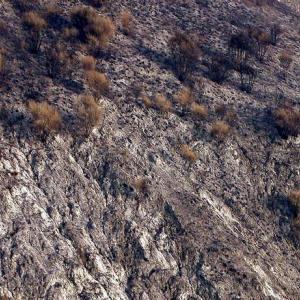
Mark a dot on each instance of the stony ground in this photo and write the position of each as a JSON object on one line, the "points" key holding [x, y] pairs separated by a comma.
{"points": [[72, 225]]}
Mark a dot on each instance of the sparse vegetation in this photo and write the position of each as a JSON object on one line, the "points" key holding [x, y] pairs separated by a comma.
{"points": [[185, 52], [248, 76], [294, 199], [262, 40], [288, 121], [147, 101], [3, 66], [285, 60], [58, 61], [36, 25], [88, 62], [46, 118], [185, 97], [89, 113], [275, 32], [127, 22], [218, 68], [97, 82], [188, 153], [141, 185], [93, 28], [199, 110], [220, 129], [162, 103]]}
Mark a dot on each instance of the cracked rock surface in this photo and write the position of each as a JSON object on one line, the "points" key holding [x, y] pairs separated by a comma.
{"points": [[73, 225]]}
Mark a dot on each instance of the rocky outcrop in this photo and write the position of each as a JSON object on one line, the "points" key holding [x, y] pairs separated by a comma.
{"points": [[73, 225]]}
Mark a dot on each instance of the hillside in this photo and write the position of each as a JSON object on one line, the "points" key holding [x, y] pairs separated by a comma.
{"points": [[161, 183]]}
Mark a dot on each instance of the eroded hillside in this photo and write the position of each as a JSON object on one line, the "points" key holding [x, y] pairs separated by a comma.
{"points": [[153, 202]]}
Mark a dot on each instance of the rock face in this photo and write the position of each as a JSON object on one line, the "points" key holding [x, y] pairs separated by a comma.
{"points": [[73, 223]]}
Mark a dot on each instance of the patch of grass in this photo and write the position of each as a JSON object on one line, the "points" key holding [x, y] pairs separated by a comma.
{"points": [[97, 82], [46, 118], [93, 28], [127, 22], [199, 110], [89, 113], [185, 97], [288, 121], [36, 25], [88, 62], [162, 103], [188, 153], [220, 129]]}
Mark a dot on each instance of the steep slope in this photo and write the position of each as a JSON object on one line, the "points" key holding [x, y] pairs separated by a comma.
{"points": [[73, 225]]}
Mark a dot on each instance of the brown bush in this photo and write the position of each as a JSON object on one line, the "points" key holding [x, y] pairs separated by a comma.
{"points": [[219, 68], [285, 59], [88, 63], [97, 82], [70, 33], [188, 153], [288, 121], [35, 24], [127, 22], [220, 129], [141, 184], [185, 52], [185, 97], [294, 198], [162, 103], [199, 110], [58, 61], [221, 109], [147, 101], [247, 75], [89, 113], [45, 117], [262, 41], [92, 28]]}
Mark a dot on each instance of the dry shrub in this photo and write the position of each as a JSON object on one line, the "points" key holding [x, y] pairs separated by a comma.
{"points": [[188, 153], [221, 109], [35, 24], [220, 129], [275, 32], [88, 62], [70, 33], [45, 117], [58, 61], [3, 66], [199, 110], [127, 22], [288, 121], [92, 28], [185, 96], [162, 103], [89, 113], [185, 52], [141, 184], [97, 82], [285, 59], [230, 117], [147, 101], [294, 198]]}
